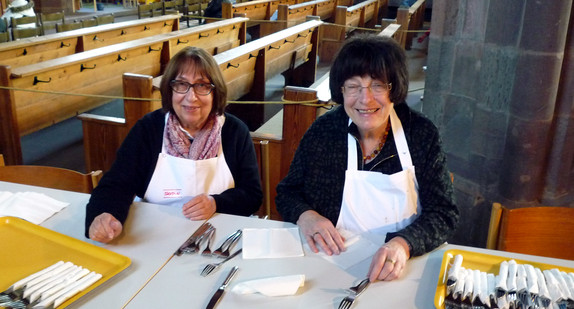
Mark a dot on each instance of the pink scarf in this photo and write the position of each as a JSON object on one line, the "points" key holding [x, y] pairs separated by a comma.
{"points": [[205, 144]]}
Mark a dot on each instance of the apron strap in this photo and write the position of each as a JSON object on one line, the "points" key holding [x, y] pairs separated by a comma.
{"points": [[400, 142]]}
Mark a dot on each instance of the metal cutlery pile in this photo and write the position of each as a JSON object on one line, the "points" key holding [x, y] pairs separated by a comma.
{"points": [[515, 286], [48, 288], [205, 235], [354, 292]]}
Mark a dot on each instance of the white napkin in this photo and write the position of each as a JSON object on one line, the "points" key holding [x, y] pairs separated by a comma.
{"points": [[271, 243], [358, 248], [274, 286], [31, 206]]}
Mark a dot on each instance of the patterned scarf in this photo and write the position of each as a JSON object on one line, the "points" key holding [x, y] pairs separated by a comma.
{"points": [[179, 143]]}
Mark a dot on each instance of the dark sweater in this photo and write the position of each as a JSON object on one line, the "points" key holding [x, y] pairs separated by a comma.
{"points": [[136, 159], [317, 175]]}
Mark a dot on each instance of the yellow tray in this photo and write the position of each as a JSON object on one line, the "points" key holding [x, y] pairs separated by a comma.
{"points": [[483, 262], [28, 248]]}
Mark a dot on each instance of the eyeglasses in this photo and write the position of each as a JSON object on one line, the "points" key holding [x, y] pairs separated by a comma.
{"points": [[376, 89], [183, 87]]}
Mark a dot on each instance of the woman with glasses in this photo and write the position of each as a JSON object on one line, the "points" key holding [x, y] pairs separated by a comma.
{"points": [[189, 154], [371, 165]]}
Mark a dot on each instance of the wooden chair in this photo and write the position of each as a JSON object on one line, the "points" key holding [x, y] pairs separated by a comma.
{"points": [[69, 26], [21, 33], [145, 10], [170, 7], [543, 231], [4, 37], [105, 19], [49, 21], [50, 177]]}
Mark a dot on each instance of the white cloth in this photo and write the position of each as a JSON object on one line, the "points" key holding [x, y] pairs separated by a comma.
{"points": [[378, 203], [272, 243], [31, 206], [274, 286], [177, 180], [357, 249]]}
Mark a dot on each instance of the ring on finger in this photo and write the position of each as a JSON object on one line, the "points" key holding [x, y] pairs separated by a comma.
{"points": [[313, 235], [390, 261]]}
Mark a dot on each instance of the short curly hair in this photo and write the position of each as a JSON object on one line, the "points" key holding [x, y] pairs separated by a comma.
{"points": [[379, 57], [205, 65]]}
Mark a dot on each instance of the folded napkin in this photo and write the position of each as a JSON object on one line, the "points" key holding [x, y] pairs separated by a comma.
{"points": [[271, 243], [274, 286], [31, 206], [357, 247]]}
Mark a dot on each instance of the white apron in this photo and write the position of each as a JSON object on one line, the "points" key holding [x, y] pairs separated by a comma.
{"points": [[176, 180], [377, 203]]}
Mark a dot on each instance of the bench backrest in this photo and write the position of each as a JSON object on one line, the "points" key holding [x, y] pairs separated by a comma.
{"points": [[411, 18], [94, 72], [51, 46]]}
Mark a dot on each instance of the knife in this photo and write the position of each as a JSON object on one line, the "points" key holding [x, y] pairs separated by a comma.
{"points": [[217, 295], [191, 240]]}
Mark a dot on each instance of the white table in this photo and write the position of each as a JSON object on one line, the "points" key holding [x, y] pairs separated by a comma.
{"points": [[152, 233]]}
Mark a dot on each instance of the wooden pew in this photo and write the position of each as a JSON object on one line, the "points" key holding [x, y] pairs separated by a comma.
{"points": [[93, 72], [51, 46], [293, 14], [411, 18], [256, 11], [245, 69], [364, 15]]}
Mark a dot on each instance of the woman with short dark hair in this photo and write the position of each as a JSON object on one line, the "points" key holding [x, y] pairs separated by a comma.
{"points": [[189, 154], [354, 169]]}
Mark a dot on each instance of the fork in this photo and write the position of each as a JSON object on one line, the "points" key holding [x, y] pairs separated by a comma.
{"points": [[235, 239], [355, 292], [226, 243], [209, 268], [207, 250]]}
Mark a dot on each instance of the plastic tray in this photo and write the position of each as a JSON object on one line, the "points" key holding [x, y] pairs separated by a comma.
{"points": [[483, 262], [28, 248]]}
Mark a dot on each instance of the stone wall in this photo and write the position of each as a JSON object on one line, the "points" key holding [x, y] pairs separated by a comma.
{"points": [[500, 87]]}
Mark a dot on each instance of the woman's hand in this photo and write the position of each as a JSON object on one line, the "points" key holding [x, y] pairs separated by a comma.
{"points": [[318, 230], [105, 228], [201, 207], [390, 260]]}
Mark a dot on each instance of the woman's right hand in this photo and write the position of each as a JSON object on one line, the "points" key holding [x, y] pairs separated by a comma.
{"points": [[320, 231], [105, 228]]}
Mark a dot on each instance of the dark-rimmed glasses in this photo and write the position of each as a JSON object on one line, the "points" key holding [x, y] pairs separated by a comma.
{"points": [[182, 87]]}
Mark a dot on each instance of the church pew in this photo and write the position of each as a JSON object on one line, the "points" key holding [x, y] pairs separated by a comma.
{"points": [[245, 69], [293, 14], [256, 11], [364, 15], [410, 19], [32, 50], [94, 72]]}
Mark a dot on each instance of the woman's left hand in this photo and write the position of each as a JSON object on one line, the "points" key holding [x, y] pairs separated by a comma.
{"points": [[390, 260], [201, 207]]}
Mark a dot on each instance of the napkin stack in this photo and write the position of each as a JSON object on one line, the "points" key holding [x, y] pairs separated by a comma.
{"points": [[274, 286], [31, 206], [271, 243]]}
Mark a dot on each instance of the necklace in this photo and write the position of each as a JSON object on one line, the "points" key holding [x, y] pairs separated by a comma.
{"points": [[381, 144]]}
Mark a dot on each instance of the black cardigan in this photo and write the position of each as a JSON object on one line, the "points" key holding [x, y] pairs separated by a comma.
{"points": [[136, 159], [317, 174]]}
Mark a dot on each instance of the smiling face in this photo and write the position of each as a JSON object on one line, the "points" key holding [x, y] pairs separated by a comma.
{"points": [[368, 110], [192, 109]]}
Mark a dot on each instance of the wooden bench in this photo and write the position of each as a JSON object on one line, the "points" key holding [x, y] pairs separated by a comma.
{"points": [[256, 11], [245, 69], [410, 19], [93, 72], [51, 46], [364, 15]]}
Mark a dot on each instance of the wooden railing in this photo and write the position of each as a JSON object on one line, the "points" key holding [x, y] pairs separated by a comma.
{"points": [[52, 46], [93, 72]]}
